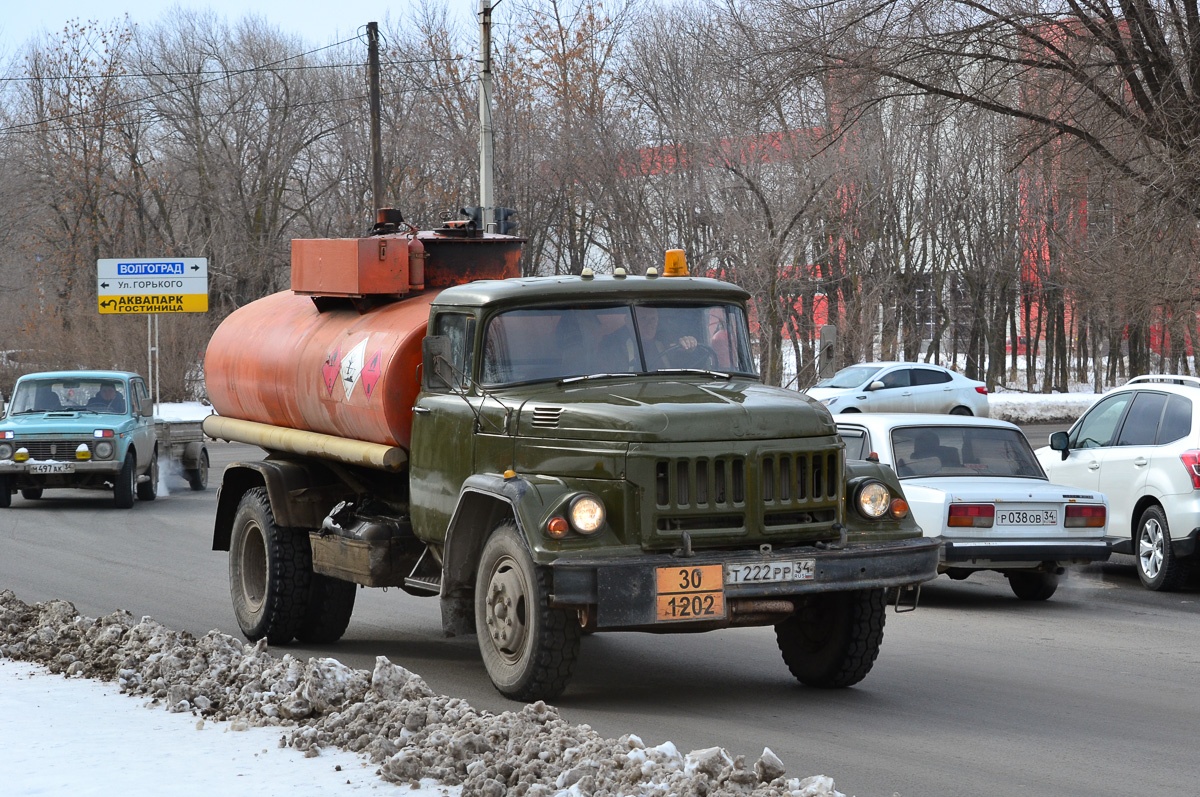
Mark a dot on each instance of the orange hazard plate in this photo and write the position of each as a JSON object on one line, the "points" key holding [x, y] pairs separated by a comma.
{"points": [[690, 593]]}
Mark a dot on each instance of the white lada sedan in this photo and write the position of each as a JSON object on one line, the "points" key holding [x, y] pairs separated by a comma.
{"points": [[976, 484]]}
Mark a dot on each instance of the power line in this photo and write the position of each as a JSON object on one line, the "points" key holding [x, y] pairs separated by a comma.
{"points": [[227, 72]]}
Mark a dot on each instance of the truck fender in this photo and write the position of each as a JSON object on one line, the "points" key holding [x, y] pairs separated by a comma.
{"points": [[860, 470], [191, 455], [284, 480], [484, 502]]}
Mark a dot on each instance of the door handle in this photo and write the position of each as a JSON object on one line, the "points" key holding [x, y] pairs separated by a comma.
{"points": [[1141, 462], [419, 410], [1093, 466]]}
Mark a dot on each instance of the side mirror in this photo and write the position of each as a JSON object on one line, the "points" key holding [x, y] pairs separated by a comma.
{"points": [[1060, 442], [435, 363], [876, 385]]}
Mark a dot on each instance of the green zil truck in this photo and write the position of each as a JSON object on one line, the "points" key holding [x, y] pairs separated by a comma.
{"points": [[577, 454]]}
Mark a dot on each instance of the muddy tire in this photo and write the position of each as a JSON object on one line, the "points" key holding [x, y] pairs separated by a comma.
{"points": [[148, 490], [1030, 586], [125, 487], [528, 648], [330, 604], [31, 493], [270, 572], [833, 638], [197, 478]]}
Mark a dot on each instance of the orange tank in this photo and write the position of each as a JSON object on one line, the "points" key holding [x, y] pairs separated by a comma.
{"points": [[281, 361], [339, 354]]}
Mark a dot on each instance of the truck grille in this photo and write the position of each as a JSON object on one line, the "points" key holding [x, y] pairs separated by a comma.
{"points": [[51, 449], [777, 492]]}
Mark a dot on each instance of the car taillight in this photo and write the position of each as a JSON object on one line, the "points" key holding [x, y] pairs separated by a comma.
{"points": [[1191, 461], [981, 390], [1085, 516], [980, 516]]}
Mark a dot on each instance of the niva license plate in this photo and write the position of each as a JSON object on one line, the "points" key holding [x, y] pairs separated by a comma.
{"points": [[52, 467], [771, 572]]}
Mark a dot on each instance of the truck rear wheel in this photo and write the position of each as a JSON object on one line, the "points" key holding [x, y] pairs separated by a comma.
{"points": [[198, 477], [269, 572], [833, 638], [528, 648], [148, 490], [330, 604], [124, 489]]}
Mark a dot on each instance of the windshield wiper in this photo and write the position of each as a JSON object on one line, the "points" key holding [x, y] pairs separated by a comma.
{"points": [[705, 371], [585, 377]]}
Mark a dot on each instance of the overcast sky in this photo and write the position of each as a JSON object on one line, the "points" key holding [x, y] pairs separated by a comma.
{"points": [[319, 23]]}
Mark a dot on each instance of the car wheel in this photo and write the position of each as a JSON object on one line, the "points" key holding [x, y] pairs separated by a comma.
{"points": [[961, 411], [31, 493], [126, 485], [833, 638], [1157, 566], [529, 649], [148, 490], [1031, 586], [270, 572], [5, 492]]}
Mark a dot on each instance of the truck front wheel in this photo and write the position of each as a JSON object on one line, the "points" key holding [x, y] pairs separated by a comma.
{"points": [[269, 572], [529, 649], [833, 638]]}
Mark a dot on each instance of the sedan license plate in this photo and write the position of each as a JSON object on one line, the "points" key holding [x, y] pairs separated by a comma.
{"points": [[52, 467], [771, 572], [1026, 517], [690, 593]]}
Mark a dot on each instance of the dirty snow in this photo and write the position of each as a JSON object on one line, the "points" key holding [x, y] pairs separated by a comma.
{"points": [[386, 722]]}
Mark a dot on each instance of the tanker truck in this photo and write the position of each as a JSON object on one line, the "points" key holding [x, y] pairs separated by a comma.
{"points": [[547, 456]]}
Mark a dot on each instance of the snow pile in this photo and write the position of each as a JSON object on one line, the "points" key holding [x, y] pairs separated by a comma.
{"points": [[390, 715], [1061, 408]]}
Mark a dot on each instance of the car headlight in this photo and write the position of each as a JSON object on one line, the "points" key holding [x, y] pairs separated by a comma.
{"points": [[587, 513], [6, 450], [104, 449], [829, 402], [873, 499]]}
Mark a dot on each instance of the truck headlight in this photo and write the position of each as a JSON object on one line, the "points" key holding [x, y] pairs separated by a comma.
{"points": [[6, 450], [587, 513], [873, 499], [104, 449]]}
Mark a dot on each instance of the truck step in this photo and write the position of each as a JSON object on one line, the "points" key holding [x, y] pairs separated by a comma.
{"points": [[426, 574]]}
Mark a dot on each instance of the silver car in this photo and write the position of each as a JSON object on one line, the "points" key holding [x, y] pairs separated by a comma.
{"points": [[901, 387]]}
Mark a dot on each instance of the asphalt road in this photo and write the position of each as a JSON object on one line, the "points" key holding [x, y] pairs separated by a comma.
{"points": [[976, 693]]}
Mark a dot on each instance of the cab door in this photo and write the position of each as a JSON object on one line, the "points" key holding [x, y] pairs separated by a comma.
{"points": [[442, 451], [145, 435]]}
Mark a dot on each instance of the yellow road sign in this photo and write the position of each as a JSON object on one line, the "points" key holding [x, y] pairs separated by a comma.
{"points": [[166, 303]]}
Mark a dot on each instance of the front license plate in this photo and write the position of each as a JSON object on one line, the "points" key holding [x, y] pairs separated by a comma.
{"points": [[690, 593], [771, 572], [52, 467], [1025, 517]]}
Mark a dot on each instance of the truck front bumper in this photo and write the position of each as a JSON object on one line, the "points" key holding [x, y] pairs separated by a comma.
{"points": [[626, 592]]}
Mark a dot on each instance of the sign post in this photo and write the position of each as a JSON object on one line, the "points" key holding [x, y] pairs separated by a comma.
{"points": [[151, 286]]}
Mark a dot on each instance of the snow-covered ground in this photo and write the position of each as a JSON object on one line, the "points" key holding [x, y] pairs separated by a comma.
{"points": [[131, 699]]}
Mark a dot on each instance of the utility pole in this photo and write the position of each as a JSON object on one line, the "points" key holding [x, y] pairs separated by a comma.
{"points": [[486, 201], [376, 144]]}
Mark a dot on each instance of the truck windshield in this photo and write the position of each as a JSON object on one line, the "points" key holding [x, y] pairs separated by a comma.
{"points": [[564, 342], [69, 395]]}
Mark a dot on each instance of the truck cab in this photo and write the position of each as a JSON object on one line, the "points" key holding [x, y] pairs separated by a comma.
{"points": [[79, 429]]}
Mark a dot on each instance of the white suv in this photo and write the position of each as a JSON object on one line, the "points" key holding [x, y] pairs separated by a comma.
{"points": [[1140, 445]]}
